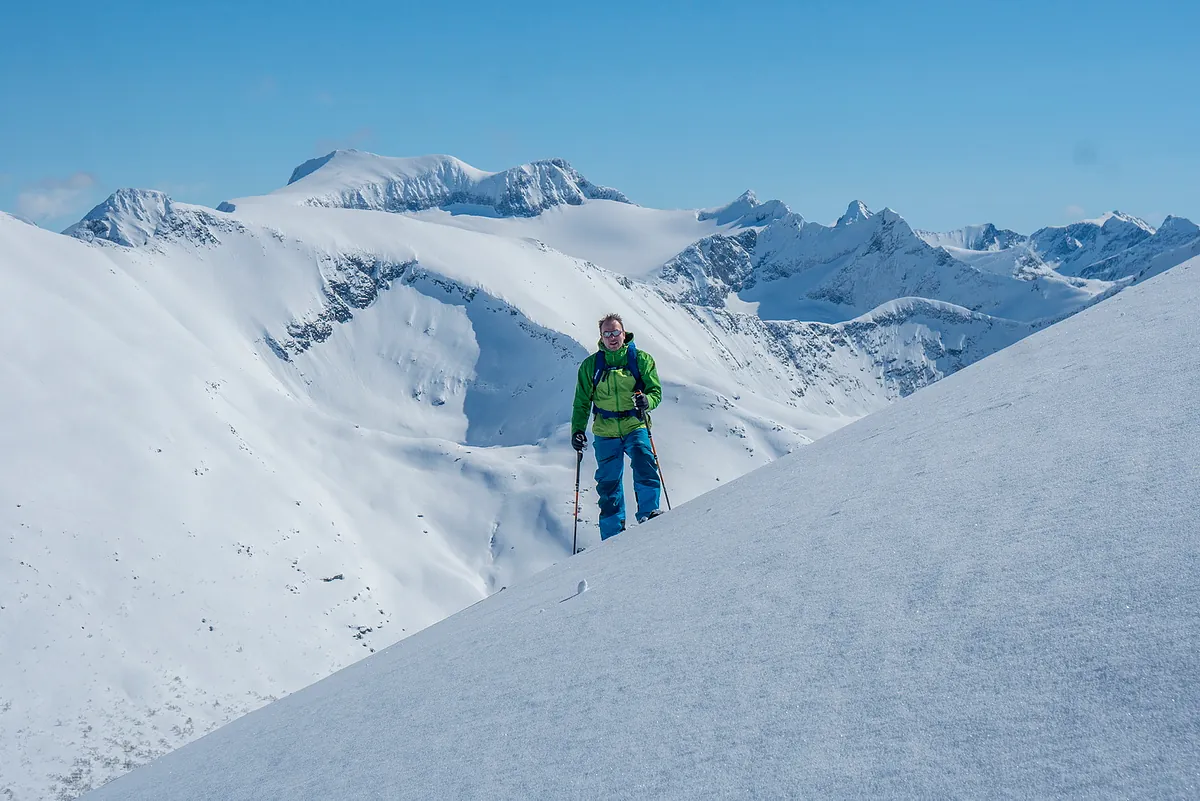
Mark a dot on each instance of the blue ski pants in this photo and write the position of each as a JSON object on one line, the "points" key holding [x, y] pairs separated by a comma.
{"points": [[610, 468]]}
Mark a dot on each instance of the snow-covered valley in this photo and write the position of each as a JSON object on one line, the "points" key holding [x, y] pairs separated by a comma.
{"points": [[244, 448]]}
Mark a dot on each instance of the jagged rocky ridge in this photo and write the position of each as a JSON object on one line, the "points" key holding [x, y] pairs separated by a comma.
{"points": [[137, 217], [1175, 241], [866, 259]]}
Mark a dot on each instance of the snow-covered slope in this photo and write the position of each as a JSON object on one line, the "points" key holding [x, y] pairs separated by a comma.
{"points": [[933, 602], [357, 180], [248, 452], [186, 534], [18, 218], [245, 448], [620, 237]]}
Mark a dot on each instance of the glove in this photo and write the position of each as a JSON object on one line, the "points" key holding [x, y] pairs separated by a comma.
{"points": [[578, 441], [641, 404]]}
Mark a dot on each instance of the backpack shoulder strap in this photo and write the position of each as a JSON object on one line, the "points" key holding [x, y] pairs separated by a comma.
{"points": [[600, 367], [633, 368]]}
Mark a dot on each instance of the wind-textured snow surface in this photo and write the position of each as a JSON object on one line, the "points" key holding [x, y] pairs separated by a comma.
{"points": [[991, 588], [244, 448], [247, 452]]}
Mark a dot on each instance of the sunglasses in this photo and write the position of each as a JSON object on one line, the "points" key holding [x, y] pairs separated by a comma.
{"points": [[611, 334]]}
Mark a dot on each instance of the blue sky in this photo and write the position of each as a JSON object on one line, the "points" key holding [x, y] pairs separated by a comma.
{"points": [[1019, 113]]}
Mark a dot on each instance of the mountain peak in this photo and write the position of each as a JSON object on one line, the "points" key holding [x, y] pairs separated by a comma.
{"points": [[1075, 249], [357, 179], [731, 212], [1174, 225], [1118, 219], [981, 237], [857, 211], [128, 217], [361, 166], [746, 211], [311, 166]]}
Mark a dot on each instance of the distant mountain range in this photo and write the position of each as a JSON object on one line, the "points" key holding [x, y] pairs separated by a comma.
{"points": [[249, 445]]}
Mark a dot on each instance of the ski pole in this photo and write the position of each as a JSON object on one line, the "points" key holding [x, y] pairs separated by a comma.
{"points": [[575, 539], [658, 464], [645, 416]]}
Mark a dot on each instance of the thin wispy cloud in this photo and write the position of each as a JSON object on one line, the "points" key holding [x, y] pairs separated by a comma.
{"points": [[1074, 212], [54, 197], [324, 98]]}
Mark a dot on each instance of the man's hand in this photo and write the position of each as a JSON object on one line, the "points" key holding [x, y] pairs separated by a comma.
{"points": [[641, 404], [578, 441]]}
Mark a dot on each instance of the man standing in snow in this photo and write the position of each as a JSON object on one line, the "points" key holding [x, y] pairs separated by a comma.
{"points": [[617, 386]]}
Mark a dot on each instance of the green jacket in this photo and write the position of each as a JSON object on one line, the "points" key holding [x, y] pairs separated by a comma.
{"points": [[614, 393]]}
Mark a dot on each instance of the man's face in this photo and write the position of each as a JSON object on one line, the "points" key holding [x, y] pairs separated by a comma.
{"points": [[612, 335]]}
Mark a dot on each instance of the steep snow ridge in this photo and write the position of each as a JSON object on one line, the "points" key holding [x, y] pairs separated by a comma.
{"points": [[1072, 248], [940, 579], [18, 218], [357, 180], [312, 165]]}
